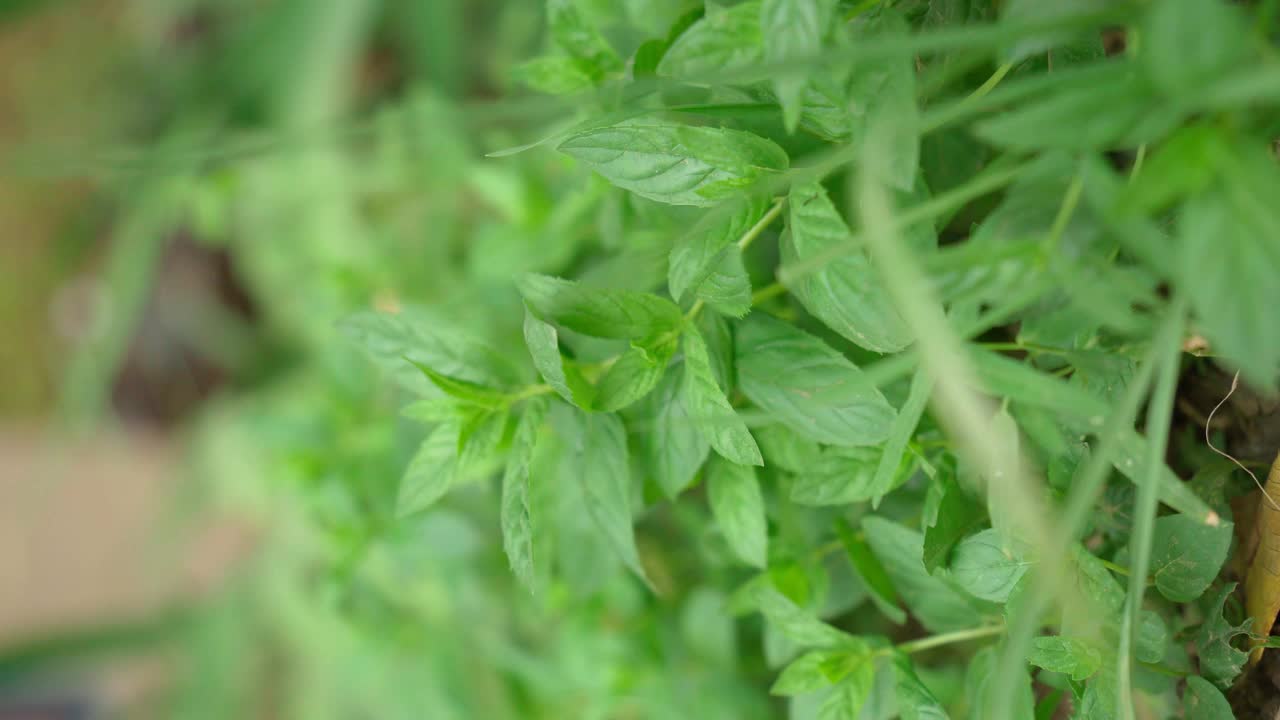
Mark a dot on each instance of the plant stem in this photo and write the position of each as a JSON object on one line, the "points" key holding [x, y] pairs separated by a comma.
{"points": [[959, 636]]}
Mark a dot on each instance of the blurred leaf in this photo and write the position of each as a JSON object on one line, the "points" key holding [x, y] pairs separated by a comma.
{"points": [[670, 451], [1202, 701], [872, 574], [517, 518], [430, 473], [936, 604], [986, 566], [623, 314], [1187, 44], [601, 464], [792, 30], [1066, 655], [636, 372], [948, 518], [738, 507], [723, 40]]}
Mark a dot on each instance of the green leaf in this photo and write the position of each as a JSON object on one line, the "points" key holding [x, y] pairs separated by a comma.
{"points": [[463, 391], [982, 679], [1153, 637], [846, 700], [1202, 701], [986, 567], [1188, 44], [738, 507], [722, 41], [1110, 113], [622, 314], [636, 372], [1220, 661], [1187, 555], [900, 433], [544, 347], [807, 386], [846, 293], [576, 37], [840, 476], [708, 409], [792, 30], [516, 515], [416, 335], [699, 252], [822, 668], [603, 469], [676, 164], [1229, 260], [728, 288], [938, 605], [481, 435], [554, 75], [872, 573], [1049, 13], [794, 622], [431, 471], [1067, 656], [671, 452], [788, 450], [882, 102], [950, 514], [1099, 700], [915, 701]]}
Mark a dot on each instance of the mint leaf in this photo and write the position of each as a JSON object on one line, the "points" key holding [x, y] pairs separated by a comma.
{"points": [[516, 515], [872, 573], [698, 252], [915, 701], [636, 372], [576, 37], [669, 450], [845, 293], [738, 507], [792, 31], [938, 605], [544, 348], [806, 385], [728, 288], [1186, 556], [1065, 655], [822, 668], [950, 514], [987, 567], [427, 338], [1188, 44], [1202, 701], [724, 40], [900, 433], [710, 412], [622, 314], [676, 164], [602, 465], [431, 471]]}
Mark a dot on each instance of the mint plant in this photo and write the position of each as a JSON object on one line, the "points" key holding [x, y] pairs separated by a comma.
{"points": [[838, 344]]}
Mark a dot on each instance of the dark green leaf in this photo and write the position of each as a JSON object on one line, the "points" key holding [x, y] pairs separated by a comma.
{"points": [[544, 347], [709, 410], [949, 517], [623, 314], [676, 164], [811, 388], [517, 517], [575, 36], [1186, 556], [738, 507], [792, 30], [872, 574]]}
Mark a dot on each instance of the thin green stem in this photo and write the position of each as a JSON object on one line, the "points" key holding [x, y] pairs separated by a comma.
{"points": [[529, 392], [988, 85], [768, 292], [1122, 570], [951, 638], [1070, 202], [1159, 415]]}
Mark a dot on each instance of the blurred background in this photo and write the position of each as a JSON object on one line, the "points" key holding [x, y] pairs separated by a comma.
{"points": [[197, 472]]}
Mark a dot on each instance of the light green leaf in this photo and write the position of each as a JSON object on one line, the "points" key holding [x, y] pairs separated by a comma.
{"points": [[603, 469], [463, 391], [821, 668], [1220, 661], [709, 410], [576, 37], [728, 288], [635, 373], [882, 100], [671, 452], [738, 507], [845, 293], [1186, 556], [915, 702], [724, 40], [900, 433], [1153, 637], [1202, 701], [430, 472], [839, 476], [987, 567], [794, 622], [698, 252], [807, 386], [982, 679], [480, 436], [1188, 44], [1066, 655], [785, 449], [676, 164], [544, 347], [846, 700], [950, 514], [622, 314], [554, 75], [938, 605], [792, 30], [516, 514]]}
